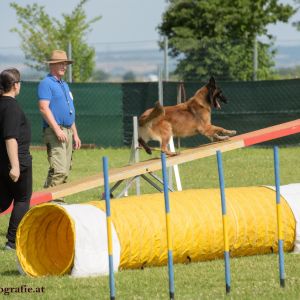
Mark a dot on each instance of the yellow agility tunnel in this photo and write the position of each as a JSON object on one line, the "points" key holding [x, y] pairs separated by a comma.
{"points": [[71, 239]]}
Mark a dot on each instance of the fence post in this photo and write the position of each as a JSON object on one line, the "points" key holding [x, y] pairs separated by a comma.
{"points": [[166, 62], [255, 62], [70, 75]]}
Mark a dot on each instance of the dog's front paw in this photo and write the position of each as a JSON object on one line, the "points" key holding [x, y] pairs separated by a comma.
{"points": [[217, 138], [232, 132]]}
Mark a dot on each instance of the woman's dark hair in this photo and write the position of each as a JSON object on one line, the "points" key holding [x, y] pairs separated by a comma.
{"points": [[7, 79]]}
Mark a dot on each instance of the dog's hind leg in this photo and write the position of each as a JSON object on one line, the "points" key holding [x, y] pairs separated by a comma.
{"points": [[145, 145], [164, 148], [165, 132]]}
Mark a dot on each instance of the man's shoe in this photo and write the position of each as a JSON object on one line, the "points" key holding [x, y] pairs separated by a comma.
{"points": [[10, 246]]}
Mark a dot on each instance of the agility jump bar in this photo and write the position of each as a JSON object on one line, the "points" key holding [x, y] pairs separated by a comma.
{"points": [[151, 165]]}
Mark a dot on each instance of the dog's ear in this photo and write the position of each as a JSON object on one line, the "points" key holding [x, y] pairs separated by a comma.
{"points": [[211, 88], [212, 81], [210, 94]]}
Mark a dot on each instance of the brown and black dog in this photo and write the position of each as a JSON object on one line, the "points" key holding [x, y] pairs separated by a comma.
{"points": [[182, 120]]}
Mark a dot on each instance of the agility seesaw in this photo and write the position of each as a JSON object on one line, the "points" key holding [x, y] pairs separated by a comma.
{"points": [[239, 141], [67, 234]]}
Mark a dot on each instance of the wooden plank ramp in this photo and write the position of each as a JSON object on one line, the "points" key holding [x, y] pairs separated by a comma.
{"points": [[239, 141]]}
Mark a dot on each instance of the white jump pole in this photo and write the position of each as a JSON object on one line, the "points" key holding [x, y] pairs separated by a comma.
{"points": [[136, 152], [171, 142], [175, 167]]}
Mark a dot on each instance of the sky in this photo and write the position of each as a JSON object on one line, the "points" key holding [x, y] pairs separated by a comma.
{"points": [[123, 21]]}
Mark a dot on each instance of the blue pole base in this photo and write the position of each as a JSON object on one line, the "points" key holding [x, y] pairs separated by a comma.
{"points": [[227, 289], [282, 283], [172, 296]]}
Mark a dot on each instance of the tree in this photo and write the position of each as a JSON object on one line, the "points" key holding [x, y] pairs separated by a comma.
{"points": [[40, 34], [99, 75], [217, 37], [290, 72], [129, 76], [297, 24]]}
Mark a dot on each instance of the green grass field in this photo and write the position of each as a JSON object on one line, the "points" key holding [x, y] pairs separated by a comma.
{"points": [[255, 277]]}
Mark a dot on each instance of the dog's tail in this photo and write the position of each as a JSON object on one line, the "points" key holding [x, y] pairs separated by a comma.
{"points": [[157, 111]]}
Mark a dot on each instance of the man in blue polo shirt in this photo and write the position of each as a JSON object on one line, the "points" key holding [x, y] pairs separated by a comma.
{"points": [[58, 112]]}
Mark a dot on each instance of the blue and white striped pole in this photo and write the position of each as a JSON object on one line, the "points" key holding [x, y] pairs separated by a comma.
{"points": [[168, 221], [108, 226], [279, 218], [224, 218]]}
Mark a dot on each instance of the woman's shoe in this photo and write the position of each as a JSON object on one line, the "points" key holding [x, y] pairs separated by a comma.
{"points": [[10, 246]]}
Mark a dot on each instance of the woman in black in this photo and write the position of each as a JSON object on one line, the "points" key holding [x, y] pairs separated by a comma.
{"points": [[15, 158]]}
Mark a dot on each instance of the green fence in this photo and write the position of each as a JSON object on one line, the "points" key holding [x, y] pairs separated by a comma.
{"points": [[99, 114], [104, 111]]}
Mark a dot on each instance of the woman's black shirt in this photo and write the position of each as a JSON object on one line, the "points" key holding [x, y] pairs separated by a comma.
{"points": [[14, 124]]}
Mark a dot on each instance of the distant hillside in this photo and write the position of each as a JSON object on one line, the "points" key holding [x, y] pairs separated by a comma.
{"points": [[146, 61], [287, 56], [141, 62]]}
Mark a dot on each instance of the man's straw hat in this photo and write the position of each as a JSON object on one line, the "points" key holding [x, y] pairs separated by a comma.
{"points": [[59, 56]]}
